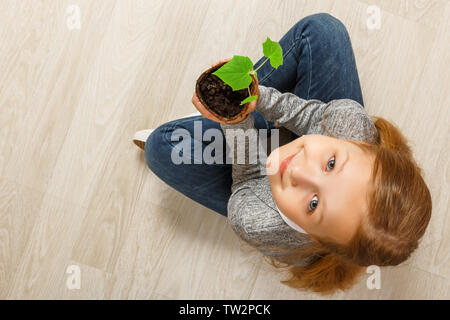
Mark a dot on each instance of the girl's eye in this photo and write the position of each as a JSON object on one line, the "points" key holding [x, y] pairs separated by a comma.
{"points": [[314, 203], [331, 161]]}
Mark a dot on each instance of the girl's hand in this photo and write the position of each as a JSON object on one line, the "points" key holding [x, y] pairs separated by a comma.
{"points": [[208, 115]]}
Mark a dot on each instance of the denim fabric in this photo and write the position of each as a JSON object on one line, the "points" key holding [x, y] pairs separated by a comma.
{"points": [[318, 63]]}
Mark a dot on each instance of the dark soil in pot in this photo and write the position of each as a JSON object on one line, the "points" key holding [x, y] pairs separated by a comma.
{"points": [[219, 98]]}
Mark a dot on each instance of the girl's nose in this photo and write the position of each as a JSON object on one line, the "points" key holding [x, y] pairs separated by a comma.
{"points": [[303, 173], [299, 177]]}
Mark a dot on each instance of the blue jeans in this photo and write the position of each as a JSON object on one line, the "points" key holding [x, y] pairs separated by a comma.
{"points": [[318, 63]]}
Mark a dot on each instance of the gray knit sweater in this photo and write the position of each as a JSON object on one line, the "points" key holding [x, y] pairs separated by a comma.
{"points": [[252, 212]]}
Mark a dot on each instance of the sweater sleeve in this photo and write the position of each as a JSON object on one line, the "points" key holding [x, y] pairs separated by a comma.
{"points": [[290, 111], [243, 150]]}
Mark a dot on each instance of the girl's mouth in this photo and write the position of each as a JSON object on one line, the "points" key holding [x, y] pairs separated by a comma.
{"points": [[284, 164]]}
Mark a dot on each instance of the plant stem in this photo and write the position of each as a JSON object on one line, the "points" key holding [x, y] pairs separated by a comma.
{"points": [[254, 72], [262, 64]]}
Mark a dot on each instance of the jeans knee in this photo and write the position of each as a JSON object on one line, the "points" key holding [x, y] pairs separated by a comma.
{"points": [[326, 25], [156, 146], [326, 18]]}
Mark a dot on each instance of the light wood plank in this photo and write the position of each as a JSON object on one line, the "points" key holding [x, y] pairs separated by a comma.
{"points": [[18, 216], [41, 274], [74, 190], [426, 12], [55, 70]]}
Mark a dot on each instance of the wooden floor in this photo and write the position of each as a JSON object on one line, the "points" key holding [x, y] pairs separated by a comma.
{"points": [[75, 191]]}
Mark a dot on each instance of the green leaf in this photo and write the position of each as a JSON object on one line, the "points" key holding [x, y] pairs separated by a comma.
{"points": [[235, 72], [274, 52], [251, 98]]}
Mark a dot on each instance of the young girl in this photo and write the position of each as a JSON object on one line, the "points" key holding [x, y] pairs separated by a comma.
{"points": [[344, 194]]}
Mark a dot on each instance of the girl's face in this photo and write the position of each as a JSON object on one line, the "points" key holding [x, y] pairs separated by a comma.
{"points": [[324, 185]]}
